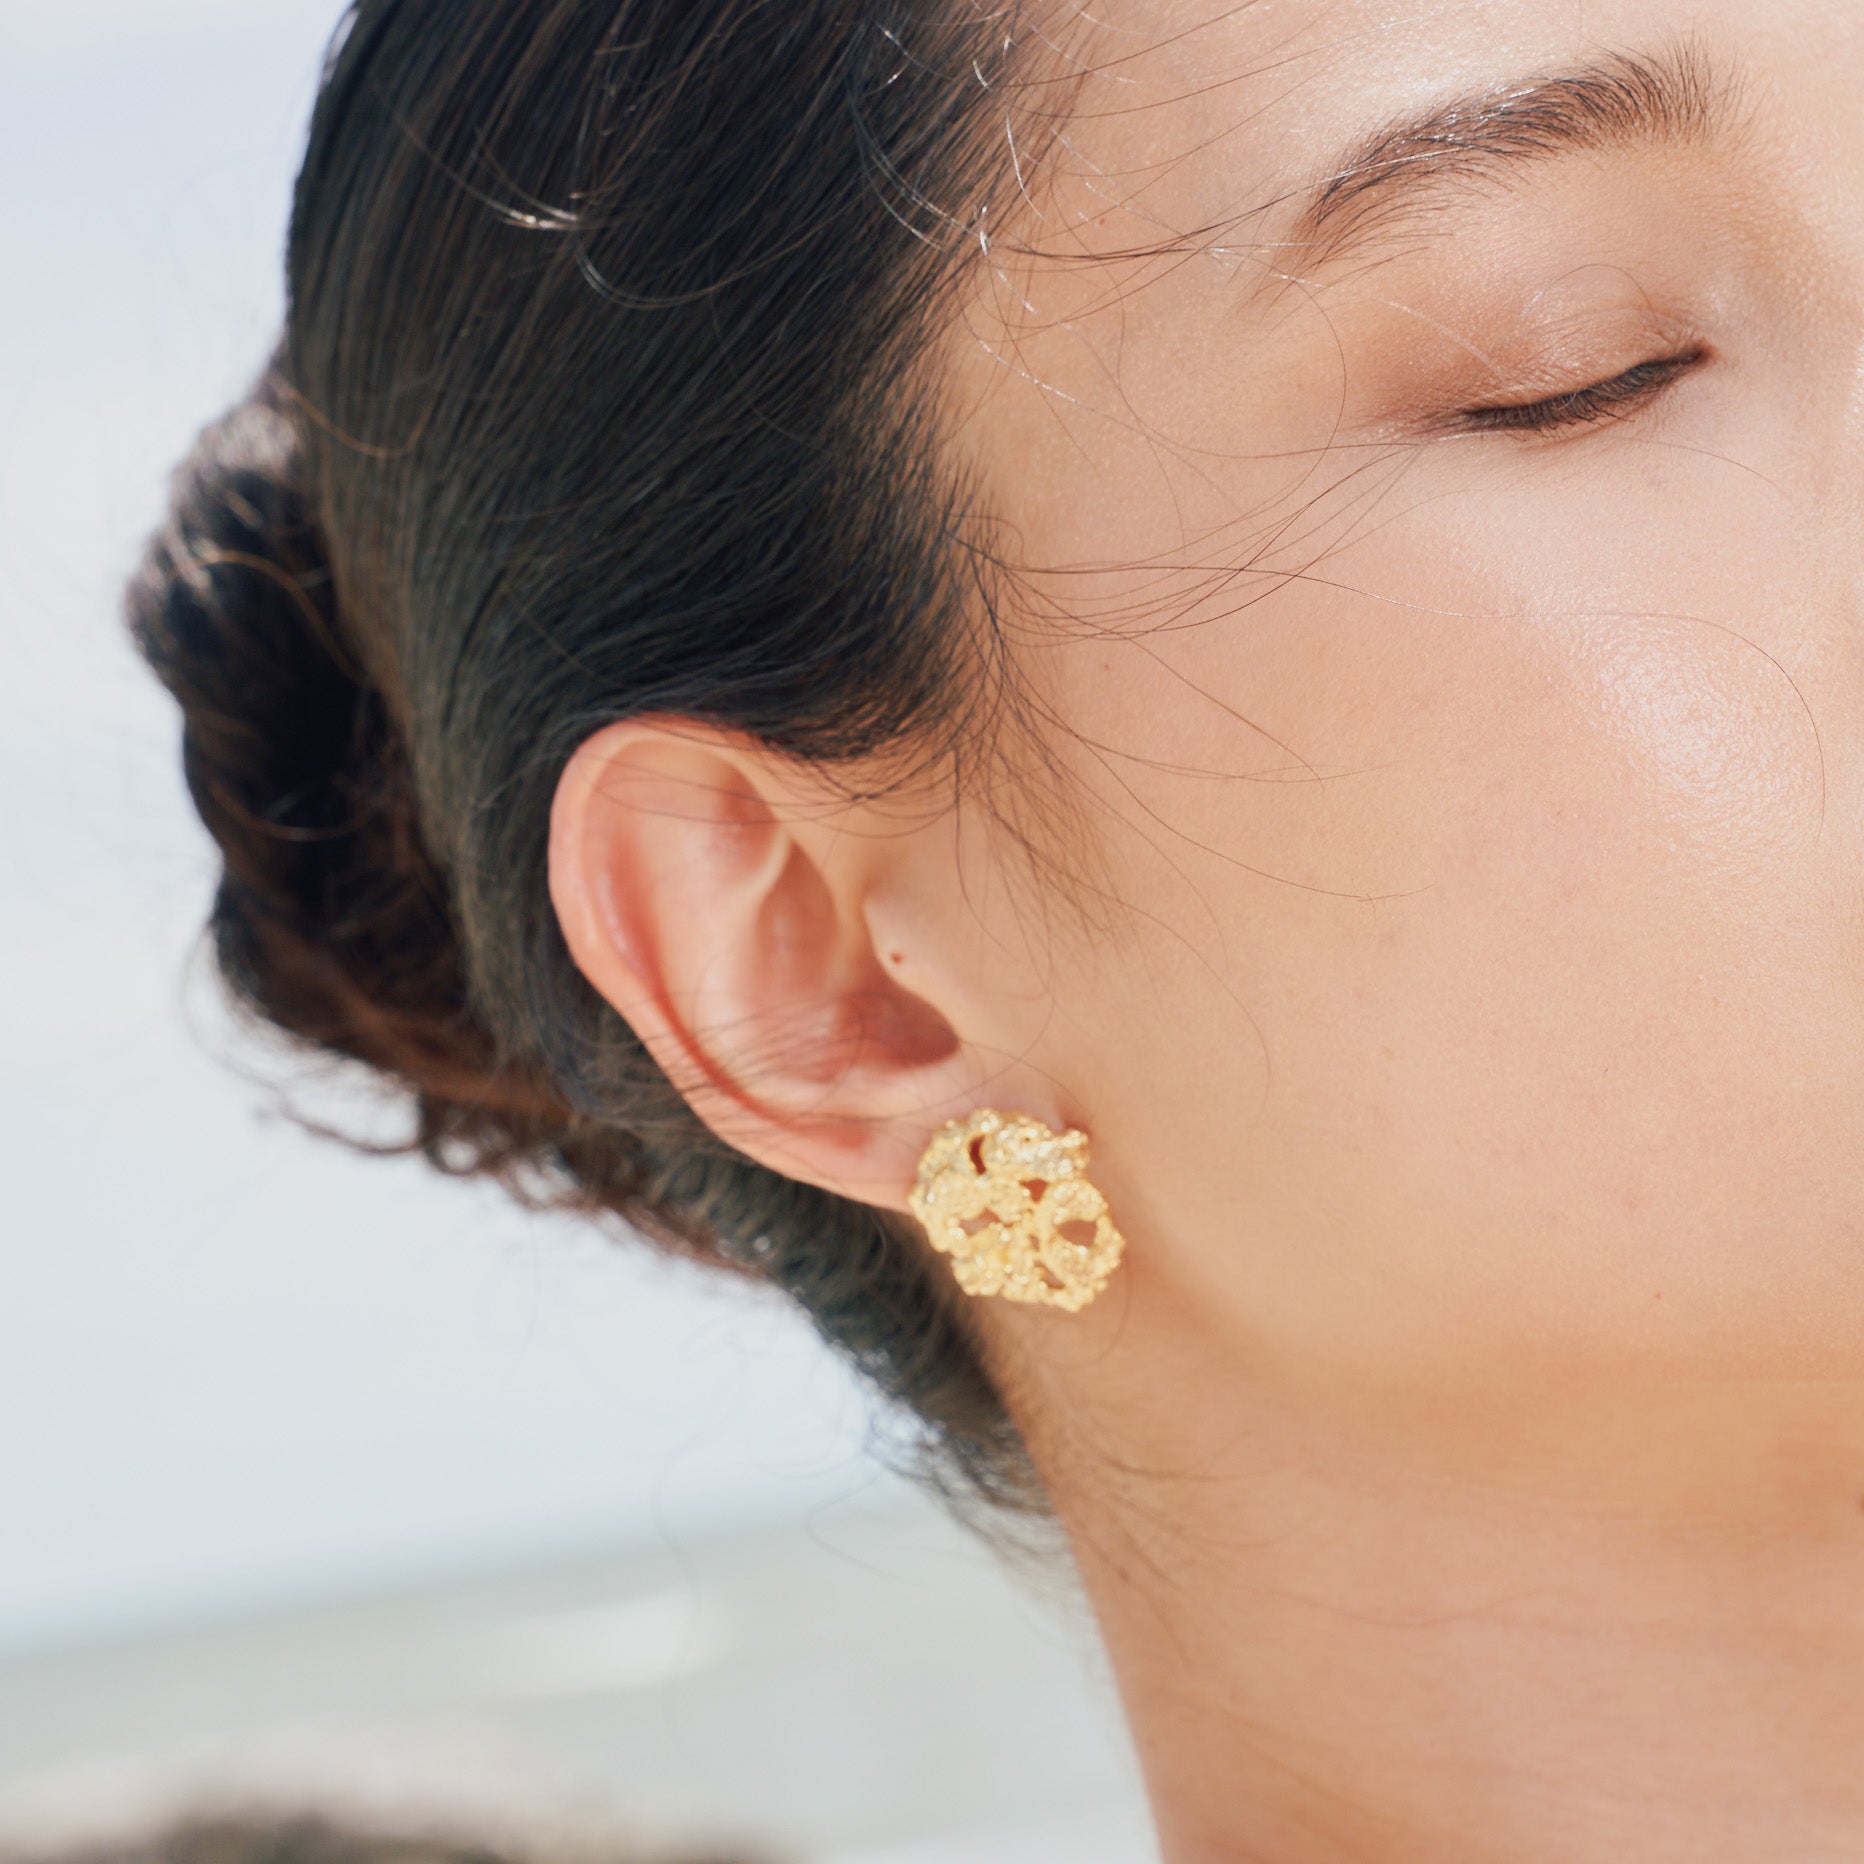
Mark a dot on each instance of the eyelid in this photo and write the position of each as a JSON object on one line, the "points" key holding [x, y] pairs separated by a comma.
{"points": [[1617, 395]]}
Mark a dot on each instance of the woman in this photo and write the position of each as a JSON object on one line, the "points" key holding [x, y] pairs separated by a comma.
{"points": [[1275, 586]]}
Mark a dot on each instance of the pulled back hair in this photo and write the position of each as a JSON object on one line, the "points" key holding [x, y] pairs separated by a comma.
{"points": [[312, 1838], [604, 391]]}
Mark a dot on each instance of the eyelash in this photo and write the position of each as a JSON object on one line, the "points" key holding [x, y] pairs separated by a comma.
{"points": [[1617, 398]]}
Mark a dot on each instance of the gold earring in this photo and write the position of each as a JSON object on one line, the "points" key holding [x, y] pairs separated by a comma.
{"points": [[1011, 1203]]}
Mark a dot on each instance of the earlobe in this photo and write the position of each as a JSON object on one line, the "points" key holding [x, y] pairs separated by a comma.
{"points": [[718, 896]]}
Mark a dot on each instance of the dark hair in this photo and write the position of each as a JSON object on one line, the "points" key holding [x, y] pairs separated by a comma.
{"points": [[311, 1838], [605, 390]]}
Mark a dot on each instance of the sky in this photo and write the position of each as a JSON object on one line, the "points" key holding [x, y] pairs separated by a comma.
{"points": [[239, 1366]]}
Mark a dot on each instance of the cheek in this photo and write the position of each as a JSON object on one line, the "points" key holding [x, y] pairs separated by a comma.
{"points": [[1507, 700], [1503, 892], [1706, 730], [1686, 656]]}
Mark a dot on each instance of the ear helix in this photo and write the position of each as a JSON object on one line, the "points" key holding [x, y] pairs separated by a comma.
{"points": [[1010, 1202]]}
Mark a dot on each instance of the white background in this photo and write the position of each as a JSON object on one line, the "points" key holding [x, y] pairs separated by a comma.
{"points": [[236, 1365]]}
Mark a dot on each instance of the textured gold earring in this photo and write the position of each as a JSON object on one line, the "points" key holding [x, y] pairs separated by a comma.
{"points": [[1011, 1203]]}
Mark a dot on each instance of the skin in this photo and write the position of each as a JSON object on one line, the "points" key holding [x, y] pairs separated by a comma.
{"points": [[1460, 966]]}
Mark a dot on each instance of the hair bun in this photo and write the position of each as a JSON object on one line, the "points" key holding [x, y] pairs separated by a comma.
{"points": [[331, 919]]}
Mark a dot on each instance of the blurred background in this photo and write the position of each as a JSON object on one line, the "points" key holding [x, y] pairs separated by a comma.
{"points": [[324, 1481]]}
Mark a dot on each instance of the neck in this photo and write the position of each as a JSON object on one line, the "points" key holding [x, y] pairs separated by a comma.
{"points": [[1512, 1626]]}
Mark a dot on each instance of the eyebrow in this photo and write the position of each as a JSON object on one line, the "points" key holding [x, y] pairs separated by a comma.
{"points": [[1678, 97]]}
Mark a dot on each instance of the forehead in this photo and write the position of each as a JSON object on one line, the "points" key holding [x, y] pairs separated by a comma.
{"points": [[1196, 111]]}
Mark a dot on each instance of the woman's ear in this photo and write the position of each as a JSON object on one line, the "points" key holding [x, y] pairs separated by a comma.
{"points": [[726, 900]]}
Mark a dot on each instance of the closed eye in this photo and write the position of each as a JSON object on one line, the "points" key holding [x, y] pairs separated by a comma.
{"points": [[1614, 399]]}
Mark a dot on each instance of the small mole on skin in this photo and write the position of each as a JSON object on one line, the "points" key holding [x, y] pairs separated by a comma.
{"points": [[896, 957]]}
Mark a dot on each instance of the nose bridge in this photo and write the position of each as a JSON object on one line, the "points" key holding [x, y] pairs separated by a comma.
{"points": [[1804, 100], [1819, 100]]}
